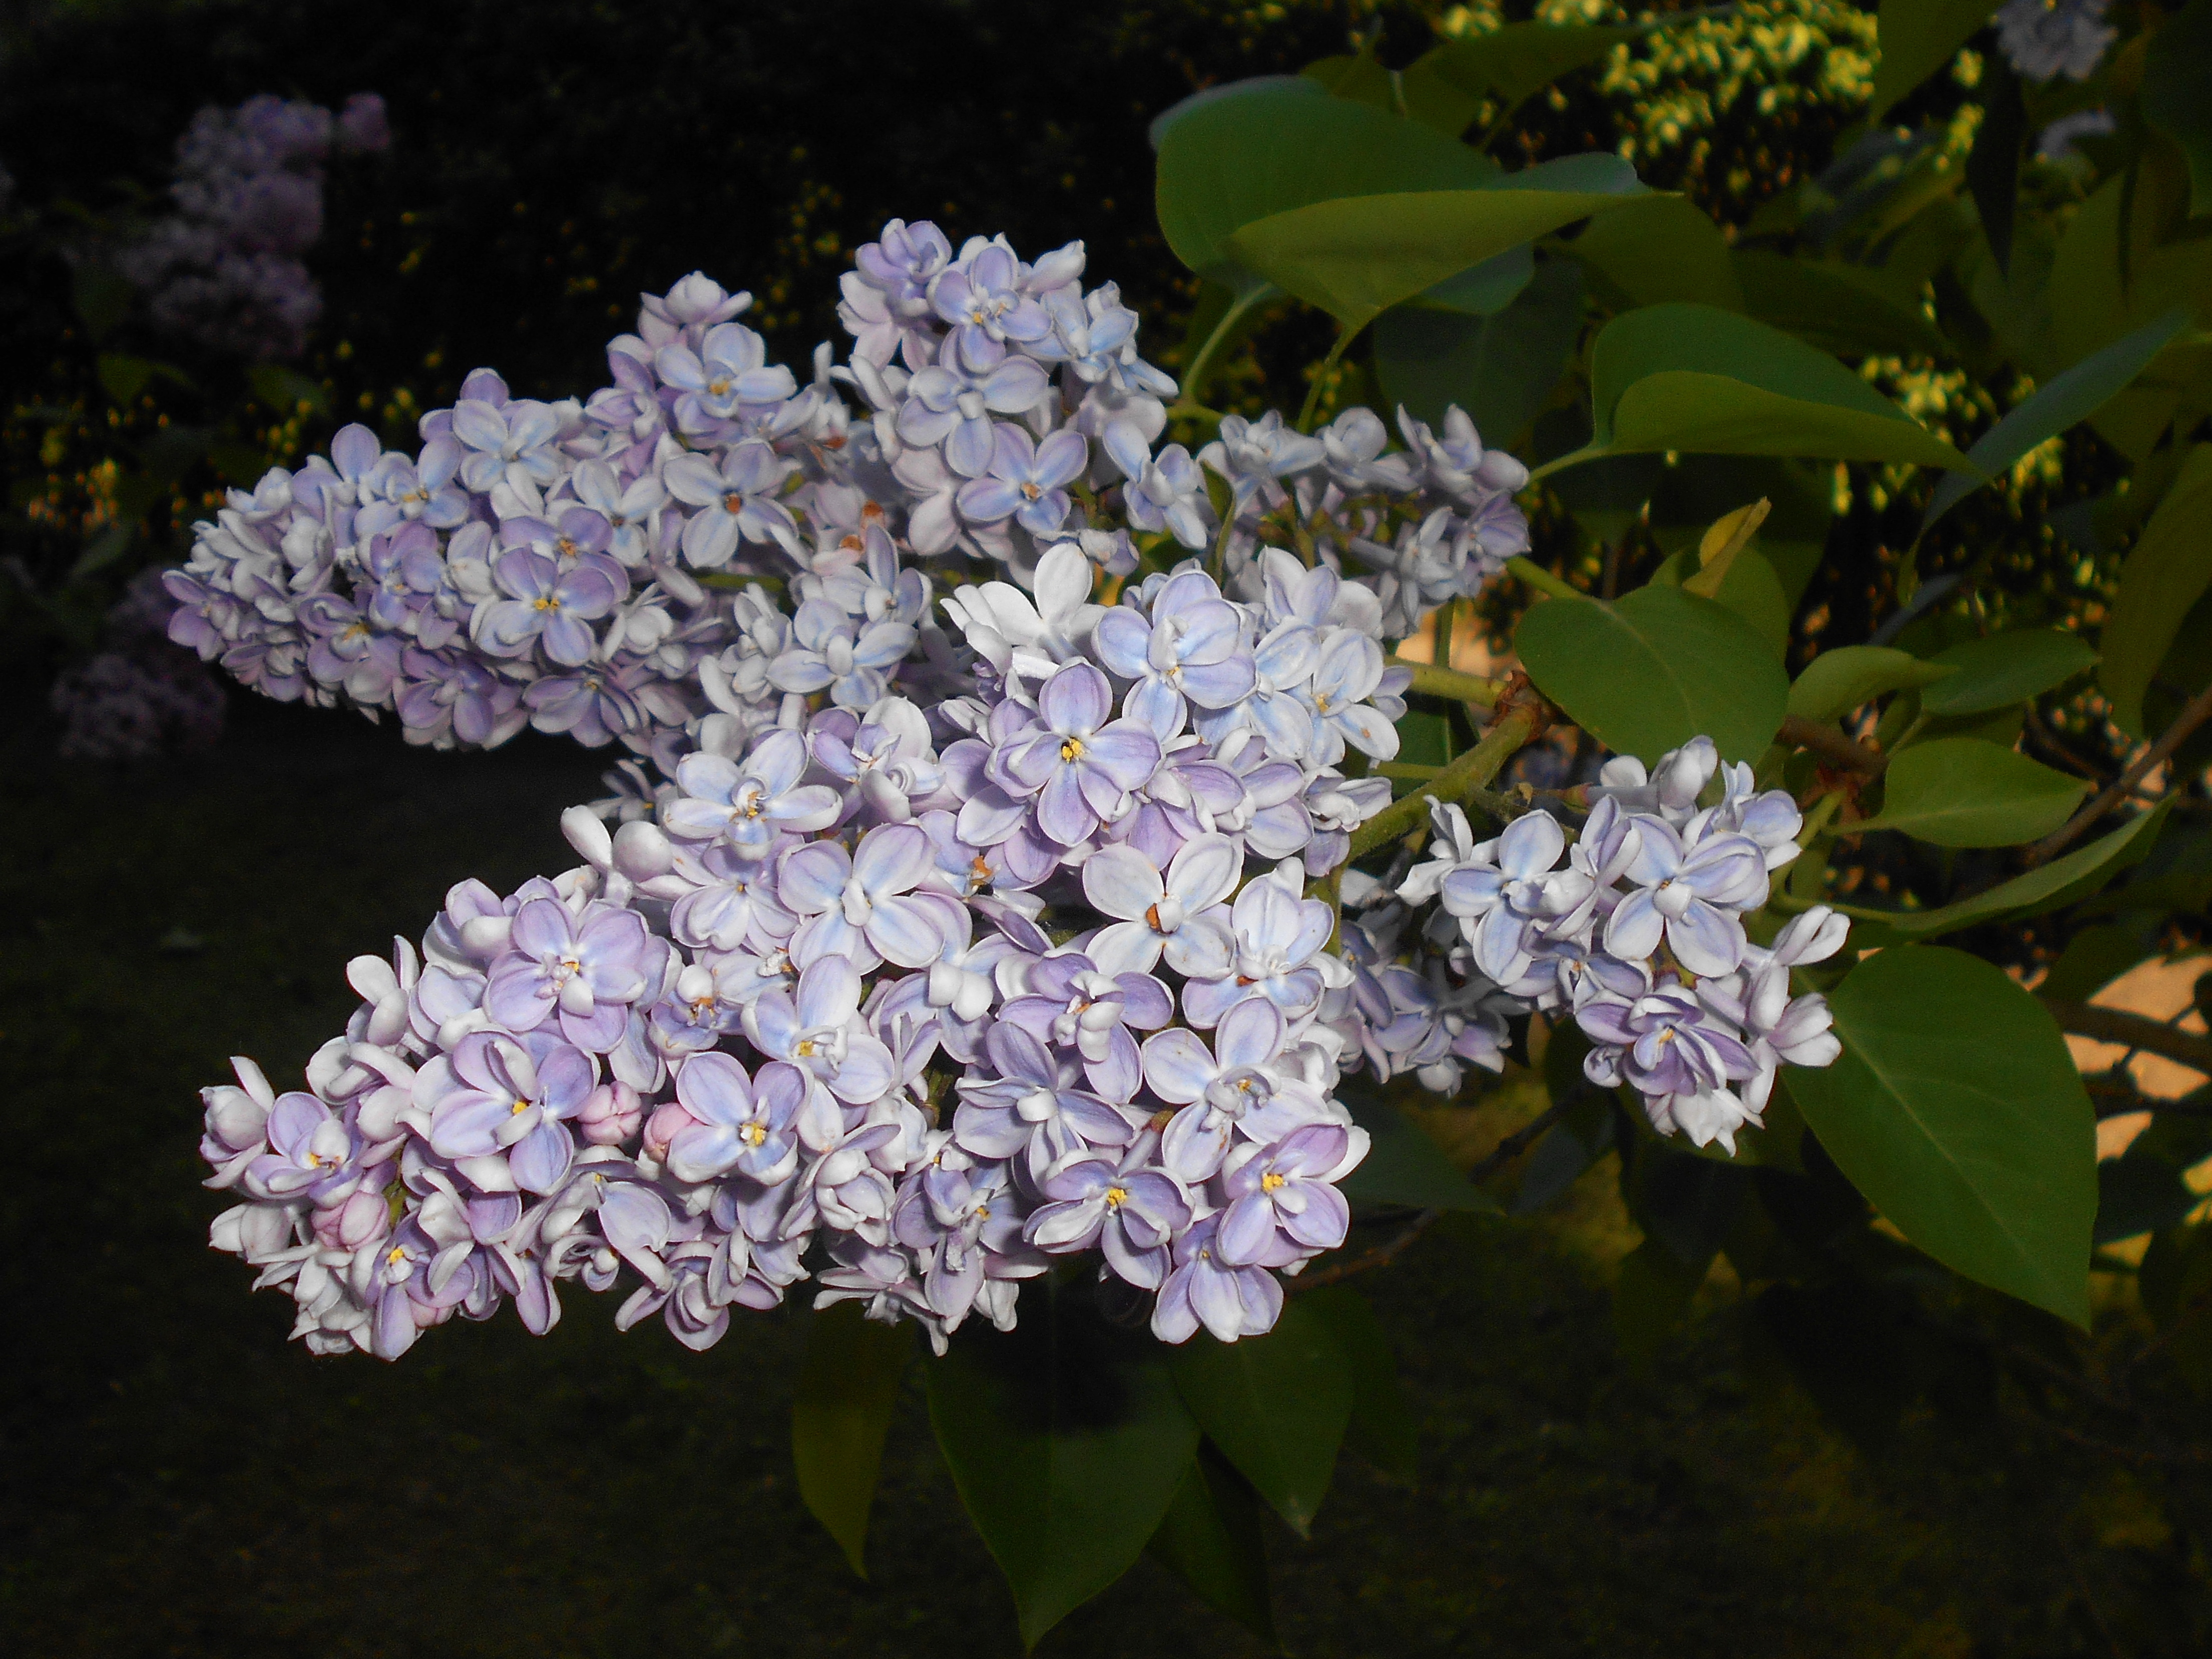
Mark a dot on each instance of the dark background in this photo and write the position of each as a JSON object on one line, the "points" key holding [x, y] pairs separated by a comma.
{"points": [[176, 1480]]}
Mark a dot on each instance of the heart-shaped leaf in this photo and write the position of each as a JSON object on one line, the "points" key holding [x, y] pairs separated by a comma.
{"points": [[1956, 1108], [2003, 669], [840, 1412], [1275, 1404], [1067, 1441], [1696, 378], [1962, 792], [1357, 256], [1839, 680], [1239, 152], [1656, 669]]}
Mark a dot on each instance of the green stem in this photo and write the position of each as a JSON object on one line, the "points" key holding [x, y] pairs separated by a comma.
{"points": [[1321, 379], [1542, 580], [1790, 905], [1817, 819], [1561, 463], [1432, 680], [1469, 772], [1203, 365]]}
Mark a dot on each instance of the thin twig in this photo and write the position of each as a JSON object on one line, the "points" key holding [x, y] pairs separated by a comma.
{"points": [[1518, 1142], [1832, 745], [1522, 716], [1380, 1256], [2198, 711], [2132, 1030]]}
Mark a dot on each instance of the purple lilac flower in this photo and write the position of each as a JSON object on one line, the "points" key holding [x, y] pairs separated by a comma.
{"points": [[1082, 763]]}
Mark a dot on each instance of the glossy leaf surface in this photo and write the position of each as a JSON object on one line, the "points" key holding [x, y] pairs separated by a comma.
{"points": [[1956, 1109], [1355, 256], [1838, 681], [1696, 378], [1962, 792], [2003, 669], [1659, 667], [1066, 1440], [2169, 570], [1211, 1539], [1276, 1406], [840, 1414]]}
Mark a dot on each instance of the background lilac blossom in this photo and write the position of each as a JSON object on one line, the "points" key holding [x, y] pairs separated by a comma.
{"points": [[224, 268]]}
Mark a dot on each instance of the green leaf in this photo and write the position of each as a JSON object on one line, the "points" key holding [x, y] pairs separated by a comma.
{"points": [[1917, 37], [1357, 77], [1748, 586], [1834, 307], [2068, 399], [2176, 71], [1696, 490], [1691, 377], [1357, 256], [2092, 959], [1404, 1164], [124, 378], [2062, 882], [841, 1413], [1661, 248], [1482, 290], [1211, 1539], [2003, 669], [1961, 791], [1513, 63], [1230, 155], [1067, 1441], [2167, 572], [282, 391], [1500, 370], [1435, 102], [1276, 1406], [1955, 1108], [1656, 669], [1382, 1428], [1839, 680], [2138, 1193]]}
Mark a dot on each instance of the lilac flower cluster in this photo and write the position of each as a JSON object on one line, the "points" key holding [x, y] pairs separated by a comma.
{"points": [[804, 1019], [141, 697], [225, 268], [692, 553], [1636, 931], [2044, 39], [929, 938]]}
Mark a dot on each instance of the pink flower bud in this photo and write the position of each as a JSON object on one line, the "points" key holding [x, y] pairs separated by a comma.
{"points": [[610, 1114]]}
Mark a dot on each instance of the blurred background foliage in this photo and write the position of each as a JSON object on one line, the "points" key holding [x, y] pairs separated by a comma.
{"points": [[1666, 1492]]}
